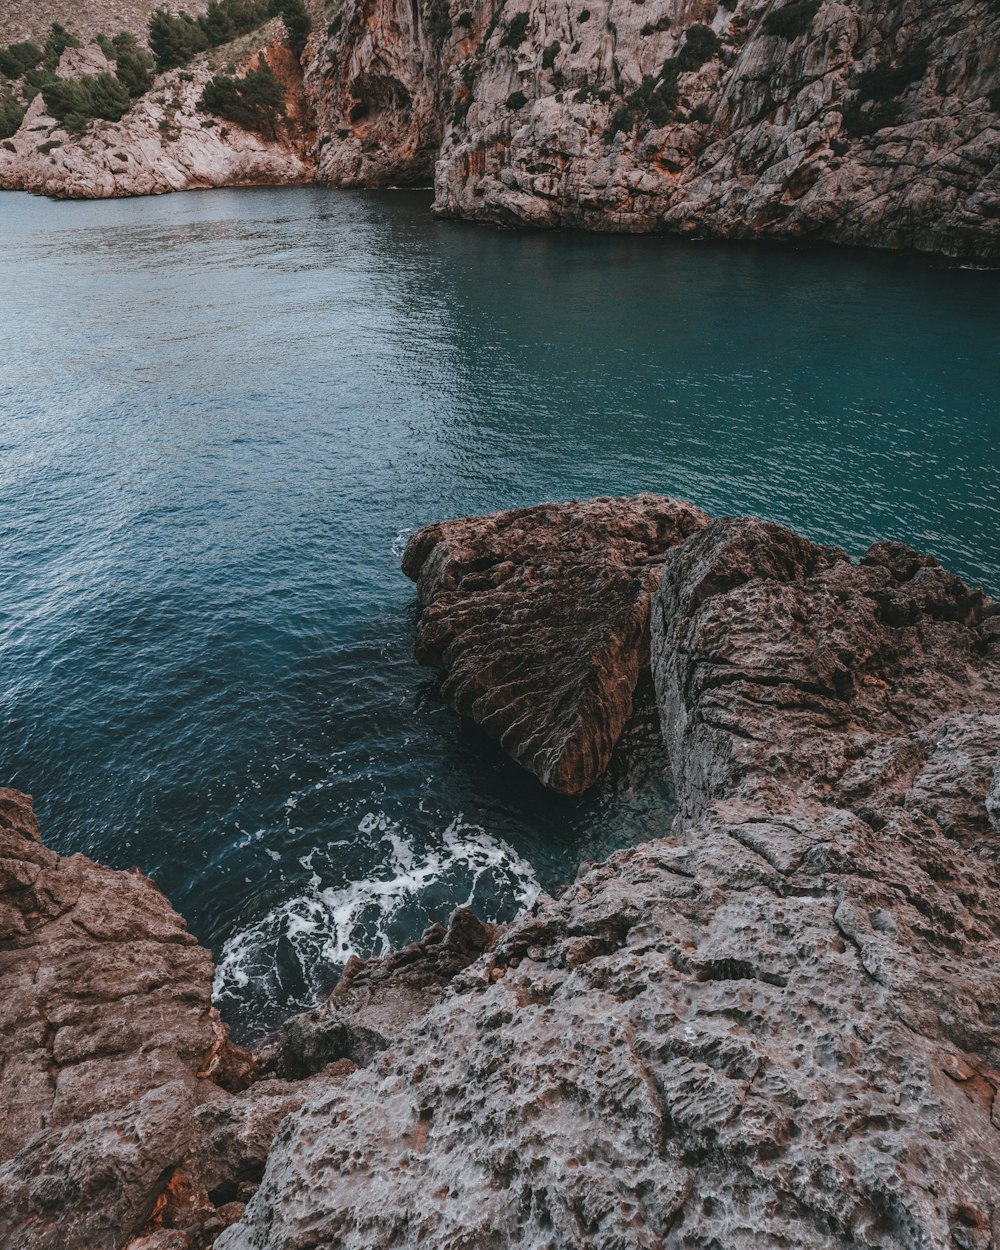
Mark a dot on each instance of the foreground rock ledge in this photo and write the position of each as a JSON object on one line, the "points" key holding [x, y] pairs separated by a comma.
{"points": [[540, 619], [777, 1025], [124, 1108]]}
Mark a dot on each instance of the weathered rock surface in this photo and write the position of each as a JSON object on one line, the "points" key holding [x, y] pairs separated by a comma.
{"points": [[375, 999], [863, 123], [106, 1033], [852, 121], [777, 1025], [124, 1109], [540, 619], [164, 143]]}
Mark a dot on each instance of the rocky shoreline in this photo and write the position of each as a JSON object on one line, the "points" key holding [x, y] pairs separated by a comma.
{"points": [[848, 122], [777, 1024]]}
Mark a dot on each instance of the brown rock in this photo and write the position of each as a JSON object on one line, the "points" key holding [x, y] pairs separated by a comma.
{"points": [[539, 618], [747, 1032]]}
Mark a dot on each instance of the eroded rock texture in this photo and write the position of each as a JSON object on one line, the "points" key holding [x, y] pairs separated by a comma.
{"points": [[126, 1115], [851, 120], [164, 143], [779, 1024], [106, 999], [540, 619]]}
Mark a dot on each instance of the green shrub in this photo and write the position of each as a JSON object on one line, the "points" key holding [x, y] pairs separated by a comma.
{"points": [[437, 18], [11, 116], [74, 103], [653, 28], [584, 15], [256, 102], [701, 113], [994, 99], [517, 30], [793, 20], [516, 100], [334, 27], [175, 40], [464, 20], [298, 23], [654, 99], [19, 57], [58, 41], [700, 44], [134, 65], [49, 146], [549, 54]]}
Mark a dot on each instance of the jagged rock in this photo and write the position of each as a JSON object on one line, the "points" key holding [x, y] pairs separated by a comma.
{"points": [[92, 1182], [124, 1109], [539, 618], [863, 123], [107, 1036], [164, 143], [105, 994], [776, 1025], [857, 122], [376, 998]]}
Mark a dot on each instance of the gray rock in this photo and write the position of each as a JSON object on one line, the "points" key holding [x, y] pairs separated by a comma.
{"points": [[164, 142], [775, 1025], [867, 123], [540, 619]]}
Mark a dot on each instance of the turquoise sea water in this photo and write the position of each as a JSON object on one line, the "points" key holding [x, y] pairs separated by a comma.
{"points": [[220, 415]]}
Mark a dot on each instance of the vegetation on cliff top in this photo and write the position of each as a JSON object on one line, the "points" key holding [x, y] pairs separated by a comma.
{"points": [[256, 101], [177, 40]]}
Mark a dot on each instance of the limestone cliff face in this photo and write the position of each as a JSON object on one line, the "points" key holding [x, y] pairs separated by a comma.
{"points": [[853, 122], [164, 142], [862, 122]]}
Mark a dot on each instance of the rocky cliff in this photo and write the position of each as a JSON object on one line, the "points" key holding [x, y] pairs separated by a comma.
{"points": [[777, 1024], [853, 122], [540, 619], [861, 122], [165, 142]]}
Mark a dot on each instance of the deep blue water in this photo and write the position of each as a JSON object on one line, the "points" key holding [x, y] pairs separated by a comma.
{"points": [[220, 415]]}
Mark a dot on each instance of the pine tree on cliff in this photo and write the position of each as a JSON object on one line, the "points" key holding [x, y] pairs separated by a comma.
{"points": [[175, 40]]}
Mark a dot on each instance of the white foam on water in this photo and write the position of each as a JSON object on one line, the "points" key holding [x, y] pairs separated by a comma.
{"points": [[318, 930], [398, 545]]}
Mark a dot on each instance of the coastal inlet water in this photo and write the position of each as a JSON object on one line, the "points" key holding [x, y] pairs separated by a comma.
{"points": [[221, 414]]}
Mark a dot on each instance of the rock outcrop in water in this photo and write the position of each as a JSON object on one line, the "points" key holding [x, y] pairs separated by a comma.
{"points": [[540, 619], [852, 121], [776, 1025]]}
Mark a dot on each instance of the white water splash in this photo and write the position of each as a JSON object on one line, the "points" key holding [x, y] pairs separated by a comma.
{"points": [[296, 947], [398, 545]]}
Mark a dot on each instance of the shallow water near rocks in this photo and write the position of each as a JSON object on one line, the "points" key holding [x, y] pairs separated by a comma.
{"points": [[221, 414]]}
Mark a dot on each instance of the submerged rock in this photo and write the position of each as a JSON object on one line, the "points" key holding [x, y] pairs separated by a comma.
{"points": [[777, 1024], [540, 619]]}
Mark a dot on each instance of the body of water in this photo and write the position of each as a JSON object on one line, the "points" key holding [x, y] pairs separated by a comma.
{"points": [[221, 413]]}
